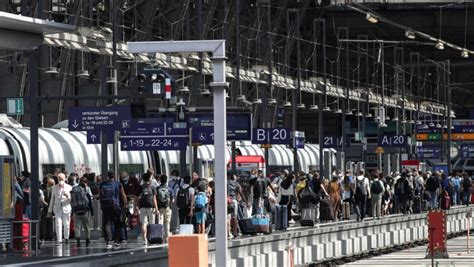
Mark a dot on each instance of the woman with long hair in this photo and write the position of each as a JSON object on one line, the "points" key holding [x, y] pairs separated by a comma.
{"points": [[335, 194], [287, 191], [347, 197]]}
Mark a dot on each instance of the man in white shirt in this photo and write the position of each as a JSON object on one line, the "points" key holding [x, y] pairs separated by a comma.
{"points": [[362, 193], [60, 204]]}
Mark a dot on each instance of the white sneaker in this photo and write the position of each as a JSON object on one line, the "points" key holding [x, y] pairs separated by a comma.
{"points": [[108, 246], [291, 221], [145, 243]]}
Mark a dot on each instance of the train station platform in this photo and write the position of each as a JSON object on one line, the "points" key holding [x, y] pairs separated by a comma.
{"points": [[309, 245]]}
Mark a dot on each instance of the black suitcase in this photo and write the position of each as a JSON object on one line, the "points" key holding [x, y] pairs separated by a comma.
{"points": [[417, 204], [155, 233], [326, 213], [308, 217], [281, 217]]}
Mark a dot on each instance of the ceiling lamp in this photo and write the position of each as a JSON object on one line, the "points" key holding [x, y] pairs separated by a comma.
{"points": [[313, 107], [359, 114], [387, 118], [371, 18], [418, 122], [241, 97], [51, 70], [183, 89], [205, 92], [445, 126], [439, 45], [257, 101], [326, 108], [464, 53], [368, 115], [396, 119], [431, 125], [410, 34], [287, 104], [439, 126], [338, 111], [111, 79], [180, 102], [425, 126], [349, 113], [272, 101], [300, 106], [383, 125], [83, 74]]}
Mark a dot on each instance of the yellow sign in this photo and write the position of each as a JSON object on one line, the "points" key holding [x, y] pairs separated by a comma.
{"points": [[266, 146], [379, 150]]}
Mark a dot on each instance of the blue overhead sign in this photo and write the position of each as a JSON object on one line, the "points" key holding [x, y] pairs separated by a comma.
{"points": [[393, 141], [239, 125], [298, 140], [202, 136], [93, 137], [274, 136], [152, 127], [148, 143], [428, 152], [99, 118], [335, 141]]}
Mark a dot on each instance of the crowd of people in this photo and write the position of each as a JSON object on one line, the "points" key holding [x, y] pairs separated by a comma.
{"points": [[128, 202]]}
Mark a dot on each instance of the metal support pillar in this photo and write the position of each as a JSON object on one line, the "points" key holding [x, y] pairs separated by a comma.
{"points": [[103, 136], [217, 48], [34, 157], [322, 24], [449, 118]]}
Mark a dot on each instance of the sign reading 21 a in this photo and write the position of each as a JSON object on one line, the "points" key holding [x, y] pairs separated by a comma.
{"points": [[393, 141]]}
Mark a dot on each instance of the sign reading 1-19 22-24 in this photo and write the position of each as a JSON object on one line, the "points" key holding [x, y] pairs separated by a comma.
{"points": [[393, 141]]}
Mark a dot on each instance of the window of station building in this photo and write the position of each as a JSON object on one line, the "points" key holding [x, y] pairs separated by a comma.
{"points": [[49, 168]]}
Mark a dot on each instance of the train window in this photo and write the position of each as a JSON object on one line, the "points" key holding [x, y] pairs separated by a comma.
{"points": [[49, 168], [131, 169]]}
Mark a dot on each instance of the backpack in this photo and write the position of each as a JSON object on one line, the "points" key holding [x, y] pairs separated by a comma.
{"points": [[376, 188], [431, 184], [466, 183], [163, 197], [200, 200], [108, 194], [456, 183], [361, 190], [400, 187], [259, 188], [79, 200], [183, 199], [146, 196]]}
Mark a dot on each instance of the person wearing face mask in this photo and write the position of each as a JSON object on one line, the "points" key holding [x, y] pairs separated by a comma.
{"points": [[60, 204], [131, 188]]}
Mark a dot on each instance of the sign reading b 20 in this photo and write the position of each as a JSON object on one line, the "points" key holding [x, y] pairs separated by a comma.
{"points": [[274, 136]]}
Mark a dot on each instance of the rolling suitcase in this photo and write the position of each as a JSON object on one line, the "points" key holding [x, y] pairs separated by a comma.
{"points": [[281, 217], [326, 213], [261, 223], [246, 227], [308, 217], [416, 204], [445, 201], [155, 233]]}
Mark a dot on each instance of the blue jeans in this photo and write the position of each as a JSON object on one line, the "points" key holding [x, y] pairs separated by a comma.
{"points": [[433, 200], [466, 197], [456, 196]]}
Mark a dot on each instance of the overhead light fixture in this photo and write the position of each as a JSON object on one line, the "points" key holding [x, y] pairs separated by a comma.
{"points": [[418, 122], [300, 106], [368, 115], [349, 113], [395, 119], [287, 104], [51, 70], [359, 114], [205, 92], [452, 127], [257, 101], [387, 118], [464, 53], [439, 126], [383, 125], [272, 101], [111, 79], [327, 109], [227, 96], [83, 74], [371, 18], [431, 124], [404, 121], [313, 107], [183, 89], [410, 34], [439, 45], [338, 111], [241, 97], [445, 126], [180, 102]]}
